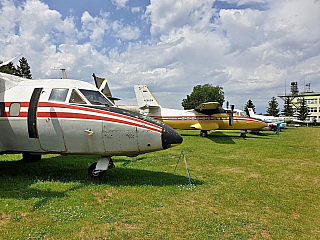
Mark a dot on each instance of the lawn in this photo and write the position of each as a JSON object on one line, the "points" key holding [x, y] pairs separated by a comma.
{"points": [[261, 187]]}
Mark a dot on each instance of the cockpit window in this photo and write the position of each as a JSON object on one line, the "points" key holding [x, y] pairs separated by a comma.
{"points": [[58, 94], [76, 98], [95, 97]]}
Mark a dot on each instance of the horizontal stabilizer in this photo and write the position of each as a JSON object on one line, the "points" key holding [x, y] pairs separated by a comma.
{"points": [[8, 81], [103, 84], [7, 62]]}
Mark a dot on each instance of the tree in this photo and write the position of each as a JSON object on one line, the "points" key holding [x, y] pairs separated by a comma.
{"points": [[9, 68], [249, 104], [23, 70], [273, 109], [302, 110], [203, 94], [287, 108]]}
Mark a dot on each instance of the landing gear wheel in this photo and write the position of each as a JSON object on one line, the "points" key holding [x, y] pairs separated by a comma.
{"points": [[204, 133], [95, 173], [111, 164], [243, 135], [29, 158]]}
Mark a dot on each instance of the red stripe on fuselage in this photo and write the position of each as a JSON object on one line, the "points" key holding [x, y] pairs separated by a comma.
{"points": [[46, 104], [137, 122], [91, 117]]}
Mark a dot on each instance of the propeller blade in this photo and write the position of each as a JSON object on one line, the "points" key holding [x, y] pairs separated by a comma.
{"points": [[231, 115]]}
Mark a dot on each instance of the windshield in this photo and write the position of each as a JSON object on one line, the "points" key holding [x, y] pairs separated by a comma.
{"points": [[95, 97]]}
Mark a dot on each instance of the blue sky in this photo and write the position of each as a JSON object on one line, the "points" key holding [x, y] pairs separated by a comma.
{"points": [[249, 47]]}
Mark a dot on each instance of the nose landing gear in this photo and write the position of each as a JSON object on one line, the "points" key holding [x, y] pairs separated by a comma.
{"points": [[99, 169]]}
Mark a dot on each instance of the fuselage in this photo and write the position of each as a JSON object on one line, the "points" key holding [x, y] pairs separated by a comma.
{"points": [[189, 119], [73, 117]]}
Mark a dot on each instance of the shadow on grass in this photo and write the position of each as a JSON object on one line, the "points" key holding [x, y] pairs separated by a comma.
{"points": [[17, 177], [221, 137]]}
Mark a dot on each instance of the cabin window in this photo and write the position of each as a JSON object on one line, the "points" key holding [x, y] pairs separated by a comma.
{"points": [[58, 94], [2, 108], [76, 98], [95, 97], [14, 109], [312, 109]]}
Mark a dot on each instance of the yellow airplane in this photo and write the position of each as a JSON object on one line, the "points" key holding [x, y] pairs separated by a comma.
{"points": [[205, 117]]}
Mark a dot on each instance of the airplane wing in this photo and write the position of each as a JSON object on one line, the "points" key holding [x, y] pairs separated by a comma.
{"points": [[208, 105], [213, 109], [106, 90], [5, 63]]}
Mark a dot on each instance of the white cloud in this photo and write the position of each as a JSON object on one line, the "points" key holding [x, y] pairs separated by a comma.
{"points": [[167, 15], [136, 9], [94, 27], [125, 32], [120, 3]]}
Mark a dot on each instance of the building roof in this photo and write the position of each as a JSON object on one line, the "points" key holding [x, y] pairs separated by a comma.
{"points": [[302, 94]]}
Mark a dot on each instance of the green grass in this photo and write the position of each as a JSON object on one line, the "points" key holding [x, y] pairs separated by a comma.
{"points": [[262, 187]]}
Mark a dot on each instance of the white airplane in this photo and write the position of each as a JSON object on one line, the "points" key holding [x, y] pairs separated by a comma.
{"points": [[264, 118], [273, 122], [73, 117], [205, 117]]}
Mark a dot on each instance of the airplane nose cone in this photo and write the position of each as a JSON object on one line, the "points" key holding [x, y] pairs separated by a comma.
{"points": [[170, 137]]}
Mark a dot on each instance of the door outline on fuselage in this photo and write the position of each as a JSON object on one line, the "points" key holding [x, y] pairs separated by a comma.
{"points": [[49, 128]]}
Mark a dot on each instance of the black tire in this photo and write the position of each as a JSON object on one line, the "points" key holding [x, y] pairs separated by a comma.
{"points": [[204, 134], [243, 135], [29, 157], [92, 174]]}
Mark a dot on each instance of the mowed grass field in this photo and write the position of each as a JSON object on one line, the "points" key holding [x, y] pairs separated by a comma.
{"points": [[262, 187]]}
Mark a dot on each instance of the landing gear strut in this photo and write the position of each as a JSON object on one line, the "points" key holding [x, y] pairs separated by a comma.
{"points": [[204, 133], [244, 134], [99, 169]]}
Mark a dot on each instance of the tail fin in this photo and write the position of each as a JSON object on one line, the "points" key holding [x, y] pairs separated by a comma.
{"points": [[251, 112], [145, 98], [103, 84]]}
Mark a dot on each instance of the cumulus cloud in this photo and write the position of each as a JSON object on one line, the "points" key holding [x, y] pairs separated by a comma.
{"points": [[120, 3], [125, 32], [94, 27], [168, 15], [136, 9]]}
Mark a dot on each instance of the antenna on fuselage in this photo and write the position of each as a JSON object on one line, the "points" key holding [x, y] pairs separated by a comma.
{"points": [[64, 74]]}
